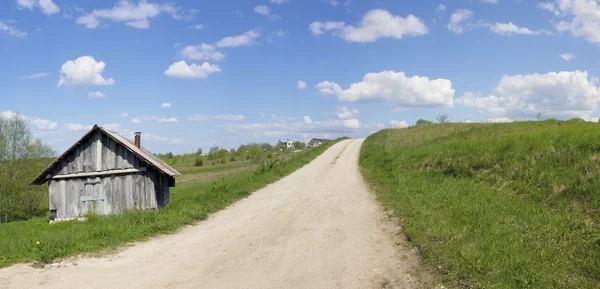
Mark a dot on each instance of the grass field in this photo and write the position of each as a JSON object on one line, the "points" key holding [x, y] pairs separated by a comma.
{"points": [[495, 205], [199, 192]]}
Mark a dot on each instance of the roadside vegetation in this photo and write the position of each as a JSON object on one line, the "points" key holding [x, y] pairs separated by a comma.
{"points": [[22, 157], [495, 205], [200, 190]]}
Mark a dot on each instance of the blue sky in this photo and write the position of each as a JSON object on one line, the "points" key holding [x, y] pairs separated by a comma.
{"points": [[192, 74]]}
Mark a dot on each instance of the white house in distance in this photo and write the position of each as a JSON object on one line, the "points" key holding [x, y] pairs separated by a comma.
{"points": [[315, 142], [289, 144]]}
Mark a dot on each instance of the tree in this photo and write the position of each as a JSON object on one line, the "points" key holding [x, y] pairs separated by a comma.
{"points": [[280, 147], [169, 155], [199, 151], [255, 152], [212, 153], [299, 145], [265, 146], [540, 114], [222, 154], [443, 118], [422, 122], [20, 158]]}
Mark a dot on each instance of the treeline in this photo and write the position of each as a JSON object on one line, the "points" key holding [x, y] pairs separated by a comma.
{"points": [[22, 157], [253, 152]]}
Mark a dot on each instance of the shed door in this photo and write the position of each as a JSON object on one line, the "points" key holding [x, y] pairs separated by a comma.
{"points": [[92, 197]]}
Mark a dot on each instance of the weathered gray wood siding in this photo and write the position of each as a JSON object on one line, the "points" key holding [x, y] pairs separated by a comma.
{"points": [[163, 195], [113, 194], [85, 158]]}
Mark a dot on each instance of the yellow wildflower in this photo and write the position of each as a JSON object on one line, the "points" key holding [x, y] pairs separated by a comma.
{"points": [[37, 243]]}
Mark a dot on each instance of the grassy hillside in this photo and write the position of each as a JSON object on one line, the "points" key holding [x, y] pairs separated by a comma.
{"points": [[199, 192], [495, 205]]}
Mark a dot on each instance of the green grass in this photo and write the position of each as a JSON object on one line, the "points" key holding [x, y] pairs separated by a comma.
{"points": [[190, 203], [495, 205]]}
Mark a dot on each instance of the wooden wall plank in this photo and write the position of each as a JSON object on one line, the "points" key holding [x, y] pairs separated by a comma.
{"points": [[107, 191], [53, 191]]}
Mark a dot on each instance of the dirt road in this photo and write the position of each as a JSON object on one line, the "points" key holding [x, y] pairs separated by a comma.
{"points": [[317, 228]]}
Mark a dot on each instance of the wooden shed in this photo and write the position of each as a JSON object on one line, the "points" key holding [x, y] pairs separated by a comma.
{"points": [[106, 171]]}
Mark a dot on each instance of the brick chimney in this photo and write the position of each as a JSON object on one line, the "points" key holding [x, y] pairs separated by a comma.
{"points": [[138, 139]]}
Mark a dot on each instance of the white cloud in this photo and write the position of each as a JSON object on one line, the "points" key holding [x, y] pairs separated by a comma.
{"points": [[279, 2], [307, 120], [167, 119], [489, 1], [328, 88], [509, 29], [500, 120], [159, 119], [194, 71], [332, 2], [165, 105], [567, 56], [319, 28], [77, 127], [458, 19], [198, 26], [282, 119], [83, 71], [557, 94], [9, 114], [376, 24], [44, 124], [199, 117], [351, 123], [246, 39], [229, 117], [398, 124], [262, 10], [36, 75], [441, 8], [301, 84], [175, 141], [46, 6], [586, 19], [549, 6], [395, 88], [344, 112], [124, 114], [28, 4], [112, 126], [591, 119], [12, 30], [202, 52], [278, 33], [285, 127], [136, 16], [223, 117], [96, 94]]}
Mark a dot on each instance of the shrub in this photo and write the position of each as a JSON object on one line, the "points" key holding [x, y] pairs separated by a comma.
{"points": [[199, 162], [422, 122]]}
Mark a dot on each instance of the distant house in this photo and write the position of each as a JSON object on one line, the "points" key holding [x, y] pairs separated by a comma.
{"points": [[289, 144], [315, 142], [106, 172]]}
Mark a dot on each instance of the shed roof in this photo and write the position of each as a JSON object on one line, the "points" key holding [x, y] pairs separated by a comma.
{"points": [[141, 152]]}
